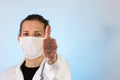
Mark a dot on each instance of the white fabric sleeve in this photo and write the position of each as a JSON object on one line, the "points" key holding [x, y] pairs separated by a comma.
{"points": [[60, 70]]}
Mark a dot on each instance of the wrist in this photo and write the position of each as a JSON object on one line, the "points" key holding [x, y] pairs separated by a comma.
{"points": [[52, 60]]}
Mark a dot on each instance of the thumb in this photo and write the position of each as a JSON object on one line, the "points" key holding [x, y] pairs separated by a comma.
{"points": [[47, 32]]}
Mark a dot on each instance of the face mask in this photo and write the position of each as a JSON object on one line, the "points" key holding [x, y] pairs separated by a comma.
{"points": [[31, 46]]}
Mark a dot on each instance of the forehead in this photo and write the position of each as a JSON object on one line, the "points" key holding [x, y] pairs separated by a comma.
{"points": [[31, 25]]}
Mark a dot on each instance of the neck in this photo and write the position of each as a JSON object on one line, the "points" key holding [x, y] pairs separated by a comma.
{"points": [[33, 63]]}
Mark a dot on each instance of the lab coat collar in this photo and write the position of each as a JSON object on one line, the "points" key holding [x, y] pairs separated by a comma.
{"points": [[19, 74]]}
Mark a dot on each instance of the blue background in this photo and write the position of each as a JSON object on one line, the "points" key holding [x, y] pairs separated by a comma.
{"points": [[87, 33]]}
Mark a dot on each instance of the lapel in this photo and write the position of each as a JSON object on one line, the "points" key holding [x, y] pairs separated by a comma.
{"points": [[39, 73], [18, 72]]}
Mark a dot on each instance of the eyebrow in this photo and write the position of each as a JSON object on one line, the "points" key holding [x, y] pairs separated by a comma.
{"points": [[37, 31], [34, 31], [24, 31]]}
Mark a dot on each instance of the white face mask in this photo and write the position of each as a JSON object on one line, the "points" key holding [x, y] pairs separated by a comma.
{"points": [[31, 46]]}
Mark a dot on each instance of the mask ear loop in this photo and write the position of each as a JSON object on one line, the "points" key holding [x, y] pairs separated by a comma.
{"points": [[42, 77]]}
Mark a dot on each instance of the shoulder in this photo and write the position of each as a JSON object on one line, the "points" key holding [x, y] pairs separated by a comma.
{"points": [[9, 72], [65, 68], [62, 60], [61, 63]]}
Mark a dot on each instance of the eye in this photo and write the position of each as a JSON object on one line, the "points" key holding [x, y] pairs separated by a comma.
{"points": [[25, 34], [37, 34]]}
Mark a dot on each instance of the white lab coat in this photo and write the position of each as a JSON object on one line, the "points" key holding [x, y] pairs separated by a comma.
{"points": [[58, 71]]}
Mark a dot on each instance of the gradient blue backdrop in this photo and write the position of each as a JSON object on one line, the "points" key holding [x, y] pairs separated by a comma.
{"points": [[87, 33]]}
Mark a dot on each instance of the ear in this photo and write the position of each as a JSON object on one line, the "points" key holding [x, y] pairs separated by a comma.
{"points": [[18, 38]]}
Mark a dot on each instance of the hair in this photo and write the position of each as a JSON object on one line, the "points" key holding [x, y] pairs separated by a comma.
{"points": [[34, 17]]}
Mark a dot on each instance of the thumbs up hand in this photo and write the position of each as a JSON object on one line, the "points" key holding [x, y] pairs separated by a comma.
{"points": [[49, 47]]}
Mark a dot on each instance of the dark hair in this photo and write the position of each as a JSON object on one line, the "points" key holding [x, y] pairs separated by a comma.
{"points": [[34, 17]]}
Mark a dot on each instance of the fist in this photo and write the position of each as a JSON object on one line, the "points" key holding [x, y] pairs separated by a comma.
{"points": [[49, 47]]}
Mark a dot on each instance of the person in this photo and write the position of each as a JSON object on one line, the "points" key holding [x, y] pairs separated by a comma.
{"points": [[41, 61]]}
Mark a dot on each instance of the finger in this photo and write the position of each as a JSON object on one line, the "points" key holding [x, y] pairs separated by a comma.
{"points": [[47, 32], [50, 53], [49, 44]]}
